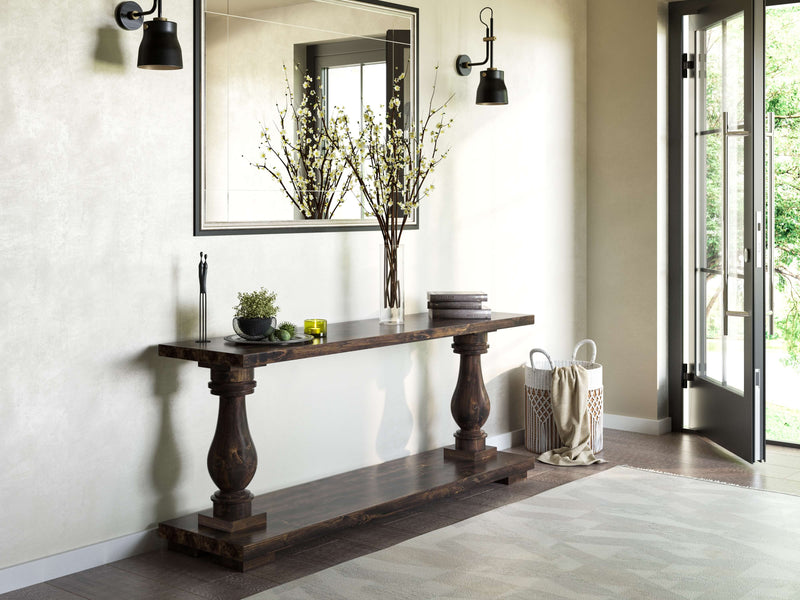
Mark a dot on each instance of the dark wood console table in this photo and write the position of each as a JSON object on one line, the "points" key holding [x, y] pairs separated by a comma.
{"points": [[238, 532]]}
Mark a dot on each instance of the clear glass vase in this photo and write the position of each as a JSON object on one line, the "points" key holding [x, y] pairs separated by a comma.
{"points": [[392, 289]]}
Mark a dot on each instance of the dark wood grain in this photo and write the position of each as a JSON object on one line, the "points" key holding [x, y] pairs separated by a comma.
{"points": [[342, 337], [106, 582], [238, 532], [232, 458], [321, 507], [40, 591], [470, 403]]}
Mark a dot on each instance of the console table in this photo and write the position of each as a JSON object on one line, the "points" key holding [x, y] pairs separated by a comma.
{"points": [[243, 531]]}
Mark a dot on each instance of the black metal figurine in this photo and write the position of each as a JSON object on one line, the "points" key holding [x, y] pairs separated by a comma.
{"points": [[202, 272]]}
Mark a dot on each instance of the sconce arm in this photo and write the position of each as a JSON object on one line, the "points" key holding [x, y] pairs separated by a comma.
{"points": [[463, 62], [156, 4], [129, 14], [487, 39]]}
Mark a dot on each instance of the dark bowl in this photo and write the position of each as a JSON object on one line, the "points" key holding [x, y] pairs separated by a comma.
{"points": [[254, 329]]}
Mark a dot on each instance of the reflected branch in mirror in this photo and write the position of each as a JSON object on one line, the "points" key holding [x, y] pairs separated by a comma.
{"points": [[390, 162], [312, 172]]}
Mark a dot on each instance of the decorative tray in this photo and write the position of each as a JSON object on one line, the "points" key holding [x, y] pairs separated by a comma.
{"points": [[300, 338]]}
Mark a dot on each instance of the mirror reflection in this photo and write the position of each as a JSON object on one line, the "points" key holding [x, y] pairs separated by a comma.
{"points": [[262, 63]]}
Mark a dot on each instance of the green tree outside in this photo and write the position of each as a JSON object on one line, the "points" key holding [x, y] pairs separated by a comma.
{"points": [[783, 98]]}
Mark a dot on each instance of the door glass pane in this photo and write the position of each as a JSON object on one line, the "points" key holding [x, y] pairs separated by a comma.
{"points": [[734, 353], [720, 173], [711, 189], [712, 312], [733, 100], [736, 223], [712, 75], [733, 66]]}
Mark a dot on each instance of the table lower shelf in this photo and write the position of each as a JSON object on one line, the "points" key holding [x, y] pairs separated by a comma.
{"points": [[310, 510]]}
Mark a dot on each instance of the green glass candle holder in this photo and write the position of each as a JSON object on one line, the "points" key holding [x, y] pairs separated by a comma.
{"points": [[316, 327]]}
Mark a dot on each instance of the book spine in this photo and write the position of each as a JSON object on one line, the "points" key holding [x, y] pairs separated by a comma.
{"points": [[451, 305], [457, 297], [460, 313]]}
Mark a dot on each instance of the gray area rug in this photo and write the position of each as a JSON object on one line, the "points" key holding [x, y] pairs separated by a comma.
{"points": [[622, 533]]}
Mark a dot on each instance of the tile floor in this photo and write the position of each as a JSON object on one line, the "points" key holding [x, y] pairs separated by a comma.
{"points": [[164, 574]]}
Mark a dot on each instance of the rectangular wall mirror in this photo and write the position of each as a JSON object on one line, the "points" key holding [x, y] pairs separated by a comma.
{"points": [[352, 49]]}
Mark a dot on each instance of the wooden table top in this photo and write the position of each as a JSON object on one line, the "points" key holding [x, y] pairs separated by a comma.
{"points": [[342, 337]]}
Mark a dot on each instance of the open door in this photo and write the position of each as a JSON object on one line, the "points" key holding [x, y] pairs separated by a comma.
{"points": [[722, 183]]}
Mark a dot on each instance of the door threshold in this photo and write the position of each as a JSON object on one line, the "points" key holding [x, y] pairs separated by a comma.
{"points": [[784, 444]]}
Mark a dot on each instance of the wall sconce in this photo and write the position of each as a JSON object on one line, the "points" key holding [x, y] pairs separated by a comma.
{"points": [[159, 49], [492, 88]]}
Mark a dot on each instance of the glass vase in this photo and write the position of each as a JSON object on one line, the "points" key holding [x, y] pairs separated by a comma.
{"points": [[392, 289]]}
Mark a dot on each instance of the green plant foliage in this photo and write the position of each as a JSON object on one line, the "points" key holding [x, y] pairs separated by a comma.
{"points": [[783, 99], [783, 423], [290, 327], [789, 327], [259, 304]]}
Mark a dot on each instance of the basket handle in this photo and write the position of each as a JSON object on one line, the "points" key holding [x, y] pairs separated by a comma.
{"points": [[581, 343], [540, 351]]}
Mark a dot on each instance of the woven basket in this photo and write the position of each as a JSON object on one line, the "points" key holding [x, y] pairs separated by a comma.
{"points": [[541, 434]]}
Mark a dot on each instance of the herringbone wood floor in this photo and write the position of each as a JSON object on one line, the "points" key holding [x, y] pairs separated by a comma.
{"points": [[163, 574]]}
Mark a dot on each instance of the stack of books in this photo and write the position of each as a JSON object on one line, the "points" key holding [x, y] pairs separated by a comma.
{"points": [[458, 305]]}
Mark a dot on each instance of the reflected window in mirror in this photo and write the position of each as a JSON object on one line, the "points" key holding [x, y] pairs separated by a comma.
{"points": [[351, 75]]}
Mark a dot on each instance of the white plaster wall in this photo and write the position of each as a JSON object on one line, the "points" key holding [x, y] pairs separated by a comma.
{"points": [[101, 438], [626, 214]]}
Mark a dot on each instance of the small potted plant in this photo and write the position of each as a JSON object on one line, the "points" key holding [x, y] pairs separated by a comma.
{"points": [[255, 314]]}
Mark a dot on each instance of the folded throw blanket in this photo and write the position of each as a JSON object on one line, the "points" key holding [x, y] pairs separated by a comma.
{"points": [[570, 394]]}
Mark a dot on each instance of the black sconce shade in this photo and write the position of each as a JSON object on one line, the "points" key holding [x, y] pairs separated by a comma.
{"points": [[160, 49], [492, 88]]}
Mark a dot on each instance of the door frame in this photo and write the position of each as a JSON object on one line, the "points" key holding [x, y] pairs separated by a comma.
{"points": [[676, 230]]}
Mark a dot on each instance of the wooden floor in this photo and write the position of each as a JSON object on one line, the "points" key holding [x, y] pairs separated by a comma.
{"points": [[166, 574]]}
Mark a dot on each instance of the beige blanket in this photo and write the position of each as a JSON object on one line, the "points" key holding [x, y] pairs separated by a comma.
{"points": [[570, 395]]}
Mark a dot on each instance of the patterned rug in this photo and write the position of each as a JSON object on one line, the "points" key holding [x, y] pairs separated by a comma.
{"points": [[622, 533]]}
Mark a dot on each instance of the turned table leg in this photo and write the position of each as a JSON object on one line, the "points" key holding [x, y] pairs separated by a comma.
{"points": [[470, 404], [232, 458]]}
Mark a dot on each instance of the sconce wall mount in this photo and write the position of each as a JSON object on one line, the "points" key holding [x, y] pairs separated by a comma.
{"points": [[492, 88], [128, 15], [464, 65]]}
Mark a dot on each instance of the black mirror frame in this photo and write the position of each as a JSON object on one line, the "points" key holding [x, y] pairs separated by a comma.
{"points": [[198, 66]]}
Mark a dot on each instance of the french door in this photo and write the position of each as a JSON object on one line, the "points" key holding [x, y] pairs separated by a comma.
{"points": [[723, 222]]}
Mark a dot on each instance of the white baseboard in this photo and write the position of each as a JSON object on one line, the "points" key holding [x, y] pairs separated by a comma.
{"points": [[637, 425], [72, 561], [504, 441]]}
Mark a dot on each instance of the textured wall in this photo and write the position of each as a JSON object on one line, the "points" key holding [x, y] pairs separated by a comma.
{"points": [[626, 206], [98, 436]]}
